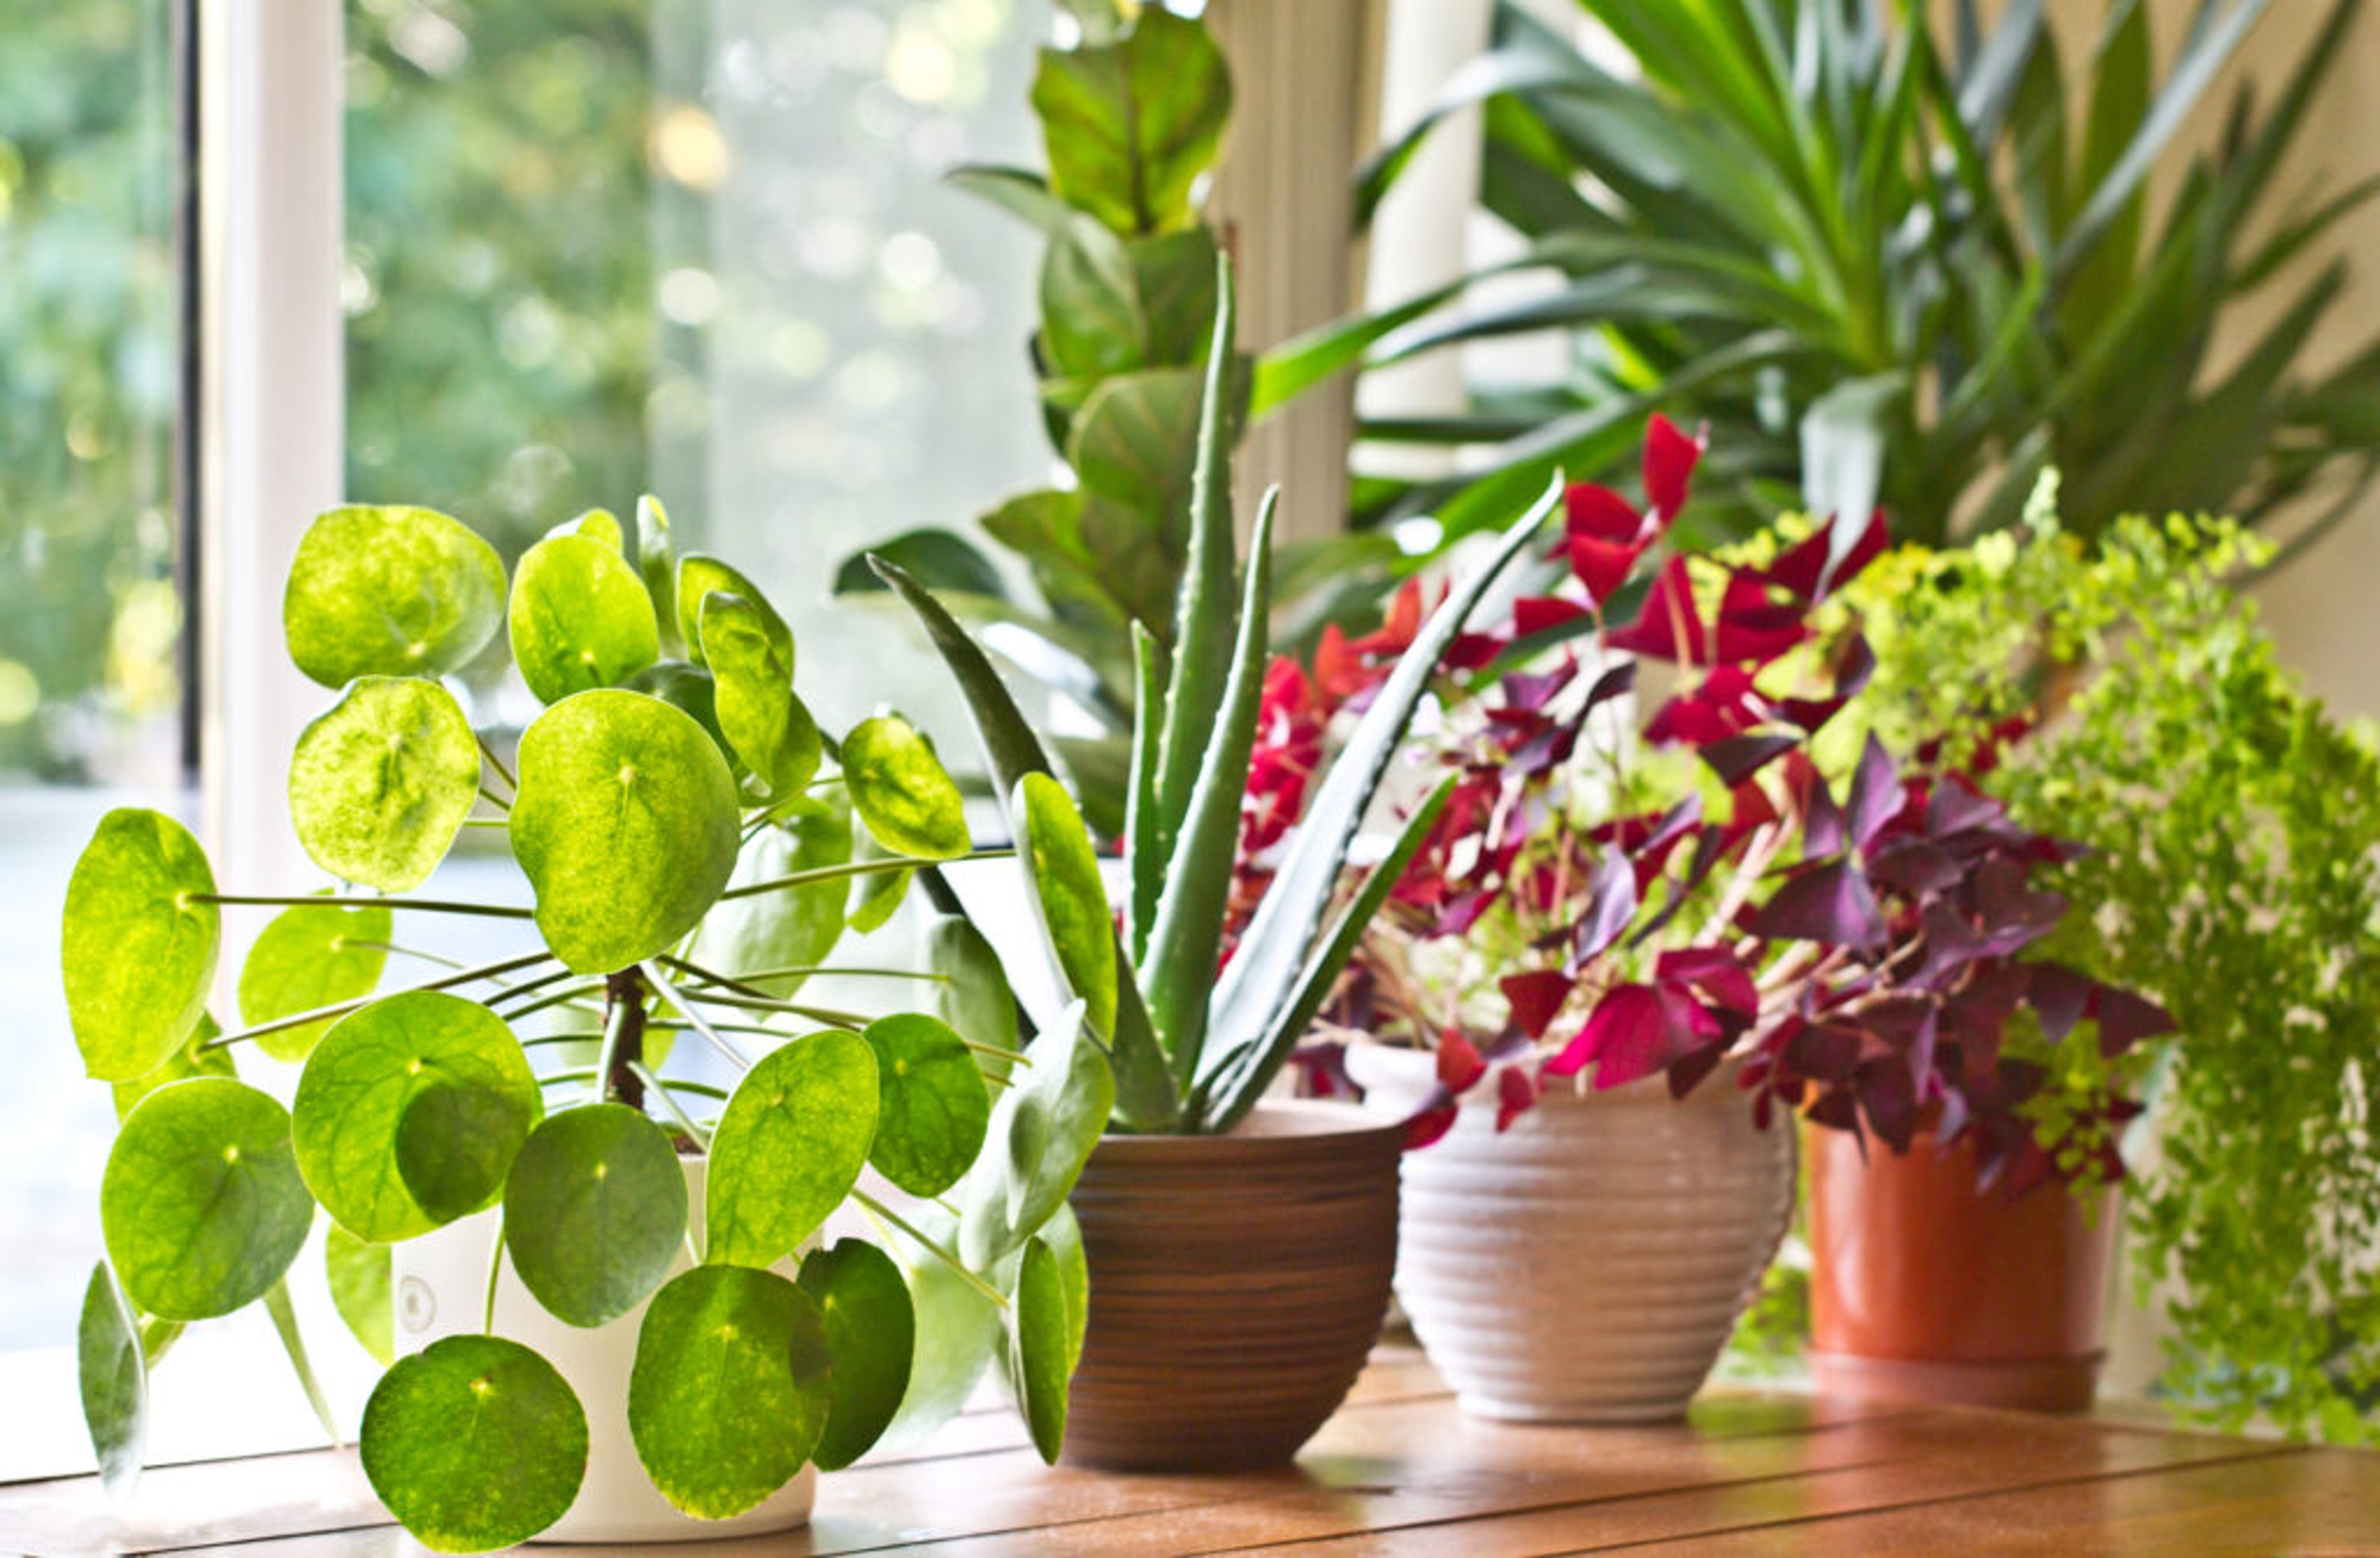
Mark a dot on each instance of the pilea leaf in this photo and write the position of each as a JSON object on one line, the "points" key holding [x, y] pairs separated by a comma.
{"points": [[311, 956], [1065, 875], [380, 784], [375, 1161], [730, 1390], [871, 1336], [684, 687], [763, 720], [595, 1211], [958, 1335], [201, 1206], [390, 591], [1040, 1356], [789, 1147], [1064, 1235], [361, 1277], [626, 823], [139, 956], [113, 1377], [877, 898], [698, 575], [902, 792], [973, 998], [795, 927], [597, 525], [932, 1105], [193, 1059], [1041, 1135], [580, 617], [475, 1443], [658, 566]]}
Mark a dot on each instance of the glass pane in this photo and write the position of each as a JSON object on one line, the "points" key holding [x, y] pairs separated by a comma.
{"points": [[89, 616]]}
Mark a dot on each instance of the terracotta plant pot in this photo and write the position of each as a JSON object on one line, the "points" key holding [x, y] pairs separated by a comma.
{"points": [[1237, 1285], [1587, 1265], [1923, 1288]]}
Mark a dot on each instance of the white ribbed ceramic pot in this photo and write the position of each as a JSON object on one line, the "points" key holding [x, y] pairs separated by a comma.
{"points": [[441, 1284], [1587, 1265]]}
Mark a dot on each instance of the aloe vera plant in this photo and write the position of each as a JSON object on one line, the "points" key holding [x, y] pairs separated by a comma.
{"points": [[1193, 1048], [694, 848]]}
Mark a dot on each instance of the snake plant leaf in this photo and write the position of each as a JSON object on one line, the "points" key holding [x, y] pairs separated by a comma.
{"points": [[902, 792], [1196, 877], [390, 591], [1064, 871], [113, 1377], [580, 617], [699, 575], [381, 782], [594, 1211], [598, 525], [193, 1059], [365, 1150], [794, 926], [763, 720], [200, 1204], [137, 953], [474, 1443], [307, 956], [932, 1104], [360, 1276], [1041, 1357], [730, 1390], [627, 824], [789, 1147], [1041, 1135], [1263, 975], [656, 565], [974, 996], [1130, 125], [686, 687], [958, 1333], [871, 1333], [1141, 824], [1011, 750]]}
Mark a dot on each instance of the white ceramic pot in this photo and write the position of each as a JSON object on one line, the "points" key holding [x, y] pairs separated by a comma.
{"points": [[441, 1284], [1587, 1265]]}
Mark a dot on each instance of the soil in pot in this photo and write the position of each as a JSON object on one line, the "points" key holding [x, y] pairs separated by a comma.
{"points": [[1924, 1288], [1237, 1285]]}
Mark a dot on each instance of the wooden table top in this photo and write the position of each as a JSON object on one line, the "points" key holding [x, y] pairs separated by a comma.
{"points": [[1399, 1470]]}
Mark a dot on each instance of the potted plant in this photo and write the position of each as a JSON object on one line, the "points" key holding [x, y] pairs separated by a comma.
{"points": [[2122, 694], [1239, 1250], [1612, 933], [649, 1320]]}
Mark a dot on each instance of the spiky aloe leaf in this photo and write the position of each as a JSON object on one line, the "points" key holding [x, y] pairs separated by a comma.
{"points": [[1262, 978], [1188, 934], [1140, 804], [1010, 748]]}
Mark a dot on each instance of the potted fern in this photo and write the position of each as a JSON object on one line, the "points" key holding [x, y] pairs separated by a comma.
{"points": [[1239, 1250], [648, 1323]]}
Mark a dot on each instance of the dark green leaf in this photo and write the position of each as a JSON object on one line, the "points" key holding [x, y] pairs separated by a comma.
{"points": [[390, 591], [789, 1147], [932, 1104], [474, 1443], [309, 956], [938, 559], [1023, 195], [973, 998], [871, 1333], [1041, 1351], [202, 1203], [381, 783], [138, 954], [595, 1211], [1129, 126], [731, 1387], [686, 687]]}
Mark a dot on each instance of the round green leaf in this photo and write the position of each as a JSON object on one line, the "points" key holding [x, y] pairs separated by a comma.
{"points": [[580, 617], [768, 726], [794, 926], [1040, 1356], [474, 1443], [1065, 873], [789, 1147], [729, 1393], [1041, 1133], [201, 1206], [390, 591], [193, 1059], [901, 791], [139, 954], [932, 1105], [595, 1211], [114, 1376], [597, 525], [410, 1110], [698, 575], [379, 785], [311, 955], [1064, 1235], [871, 1333], [687, 688], [626, 823], [361, 1280], [876, 897], [959, 1332]]}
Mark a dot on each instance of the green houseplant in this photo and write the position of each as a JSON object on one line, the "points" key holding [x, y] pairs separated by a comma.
{"points": [[1133, 117], [1884, 260], [1201, 1210], [695, 846]]}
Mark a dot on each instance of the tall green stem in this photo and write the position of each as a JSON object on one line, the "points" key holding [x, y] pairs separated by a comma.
{"points": [[320, 1014]]}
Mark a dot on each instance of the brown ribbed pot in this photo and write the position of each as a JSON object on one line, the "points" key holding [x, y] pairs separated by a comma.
{"points": [[1237, 1285]]}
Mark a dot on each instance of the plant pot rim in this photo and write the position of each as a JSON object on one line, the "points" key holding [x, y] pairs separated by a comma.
{"points": [[1286, 1121]]}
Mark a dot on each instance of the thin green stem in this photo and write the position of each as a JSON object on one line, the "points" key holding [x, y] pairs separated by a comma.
{"points": [[320, 1014], [559, 998], [877, 1208], [856, 868], [826, 1014], [495, 1269], [721, 1027], [497, 763], [487, 822], [427, 906], [586, 1074], [657, 1089], [499, 802], [404, 952], [806, 970], [510, 992], [670, 994]]}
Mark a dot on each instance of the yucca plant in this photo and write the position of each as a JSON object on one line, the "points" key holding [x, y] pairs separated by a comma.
{"points": [[1193, 1049], [1888, 265]]}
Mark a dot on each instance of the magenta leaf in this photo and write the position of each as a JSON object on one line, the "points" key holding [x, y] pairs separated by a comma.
{"points": [[1597, 513], [1668, 626], [1627, 1023], [1830, 903], [1823, 1052], [1669, 460], [2057, 996], [1618, 679], [1713, 972], [2125, 1020], [1535, 997], [1688, 1070], [1533, 615], [1738, 757], [1822, 832], [1888, 1099], [1875, 797], [1459, 1063], [1515, 1094]]}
